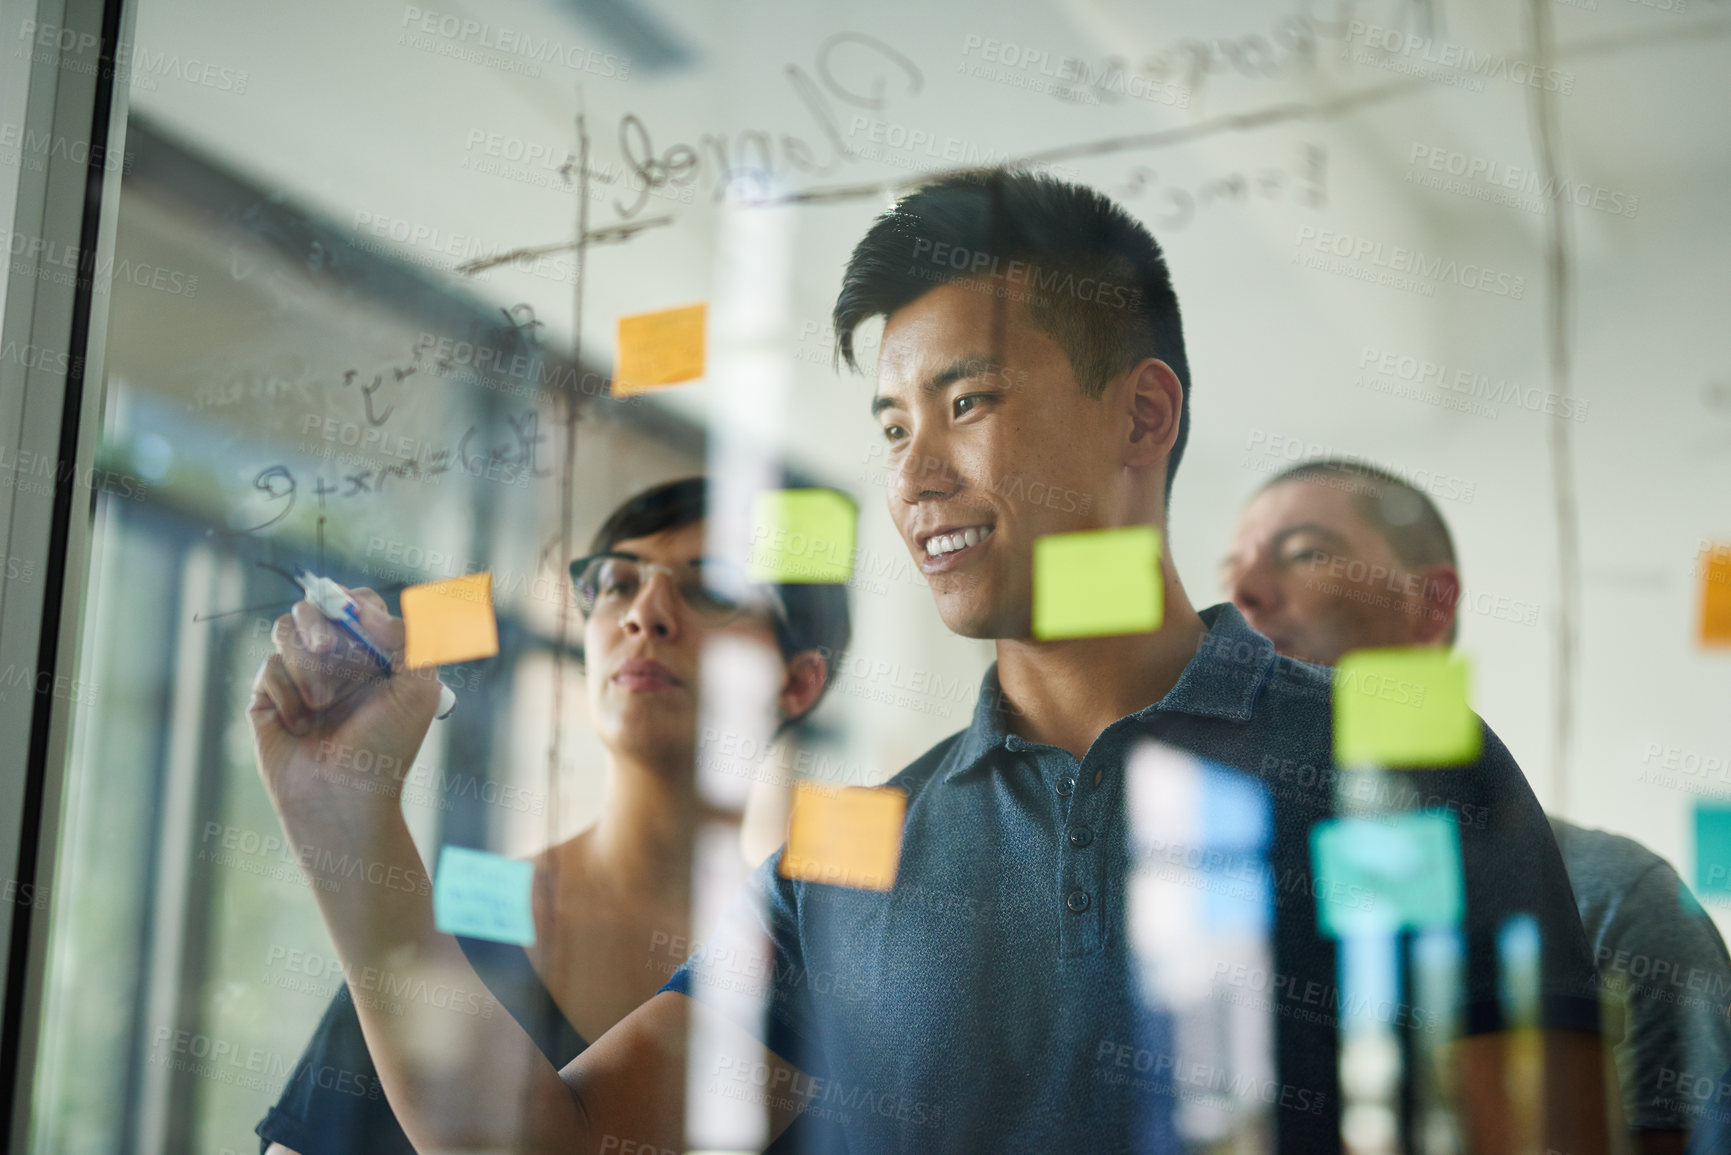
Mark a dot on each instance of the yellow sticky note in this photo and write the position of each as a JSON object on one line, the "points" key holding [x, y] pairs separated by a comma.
{"points": [[449, 621], [1097, 582], [1716, 596], [662, 348], [850, 836], [802, 536], [1403, 706]]}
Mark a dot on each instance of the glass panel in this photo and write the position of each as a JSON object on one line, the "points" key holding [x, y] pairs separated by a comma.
{"points": [[404, 294]]}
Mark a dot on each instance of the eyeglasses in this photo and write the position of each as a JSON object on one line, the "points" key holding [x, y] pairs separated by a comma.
{"points": [[717, 591]]}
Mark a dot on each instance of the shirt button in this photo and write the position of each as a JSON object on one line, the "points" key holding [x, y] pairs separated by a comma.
{"points": [[1066, 785], [1080, 836], [1077, 901]]}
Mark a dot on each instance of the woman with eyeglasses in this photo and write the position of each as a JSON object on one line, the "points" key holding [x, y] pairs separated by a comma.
{"points": [[611, 904]]}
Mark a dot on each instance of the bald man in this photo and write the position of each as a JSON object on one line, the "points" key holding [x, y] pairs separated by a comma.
{"points": [[1336, 555]]}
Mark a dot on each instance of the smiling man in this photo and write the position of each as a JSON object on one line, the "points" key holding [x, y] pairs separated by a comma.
{"points": [[1032, 336], [990, 1000]]}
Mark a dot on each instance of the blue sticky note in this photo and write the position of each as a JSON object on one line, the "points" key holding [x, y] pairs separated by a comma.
{"points": [[1518, 942], [1713, 849], [1369, 980], [1236, 814], [484, 895], [1378, 875]]}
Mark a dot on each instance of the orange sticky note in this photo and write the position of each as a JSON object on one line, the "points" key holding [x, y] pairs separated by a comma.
{"points": [[449, 621], [661, 348], [850, 836], [1716, 596]]}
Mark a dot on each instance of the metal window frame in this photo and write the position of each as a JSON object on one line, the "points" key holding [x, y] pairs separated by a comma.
{"points": [[50, 411]]}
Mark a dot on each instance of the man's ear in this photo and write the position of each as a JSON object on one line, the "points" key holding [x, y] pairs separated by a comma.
{"points": [[1439, 592], [806, 673], [1156, 403]]}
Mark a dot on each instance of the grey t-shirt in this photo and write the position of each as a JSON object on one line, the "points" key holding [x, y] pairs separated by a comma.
{"points": [[1661, 957]]}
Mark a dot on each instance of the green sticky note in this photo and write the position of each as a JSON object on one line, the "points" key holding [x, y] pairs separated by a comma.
{"points": [[1378, 875], [1403, 706], [802, 536], [1097, 583], [1713, 848], [484, 895]]}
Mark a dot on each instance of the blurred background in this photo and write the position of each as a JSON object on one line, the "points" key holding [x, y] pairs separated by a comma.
{"points": [[1353, 203]]}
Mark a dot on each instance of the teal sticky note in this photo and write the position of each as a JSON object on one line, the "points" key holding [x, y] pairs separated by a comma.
{"points": [[1404, 706], [484, 895], [1713, 848], [1378, 875], [1097, 583]]}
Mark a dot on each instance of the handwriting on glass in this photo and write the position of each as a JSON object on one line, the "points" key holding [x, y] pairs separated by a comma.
{"points": [[854, 69]]}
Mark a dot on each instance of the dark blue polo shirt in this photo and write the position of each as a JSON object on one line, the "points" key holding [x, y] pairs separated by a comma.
{"points": [[988, 1001]]}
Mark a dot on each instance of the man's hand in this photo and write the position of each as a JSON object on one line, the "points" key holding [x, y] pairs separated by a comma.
{"points": [[329, 727]]}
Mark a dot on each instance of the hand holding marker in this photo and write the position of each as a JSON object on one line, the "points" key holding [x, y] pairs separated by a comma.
{"points": [[331, 600]]}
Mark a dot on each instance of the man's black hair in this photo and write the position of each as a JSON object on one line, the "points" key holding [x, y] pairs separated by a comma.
{"points": [[817, 615], [1402, 513], [1090, 274]]}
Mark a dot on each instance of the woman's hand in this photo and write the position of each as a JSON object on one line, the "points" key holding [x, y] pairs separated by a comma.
{"points": [[331, 731]]}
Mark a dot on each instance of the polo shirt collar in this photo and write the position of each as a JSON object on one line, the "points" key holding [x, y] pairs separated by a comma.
{"points": [[1223, 679]]}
